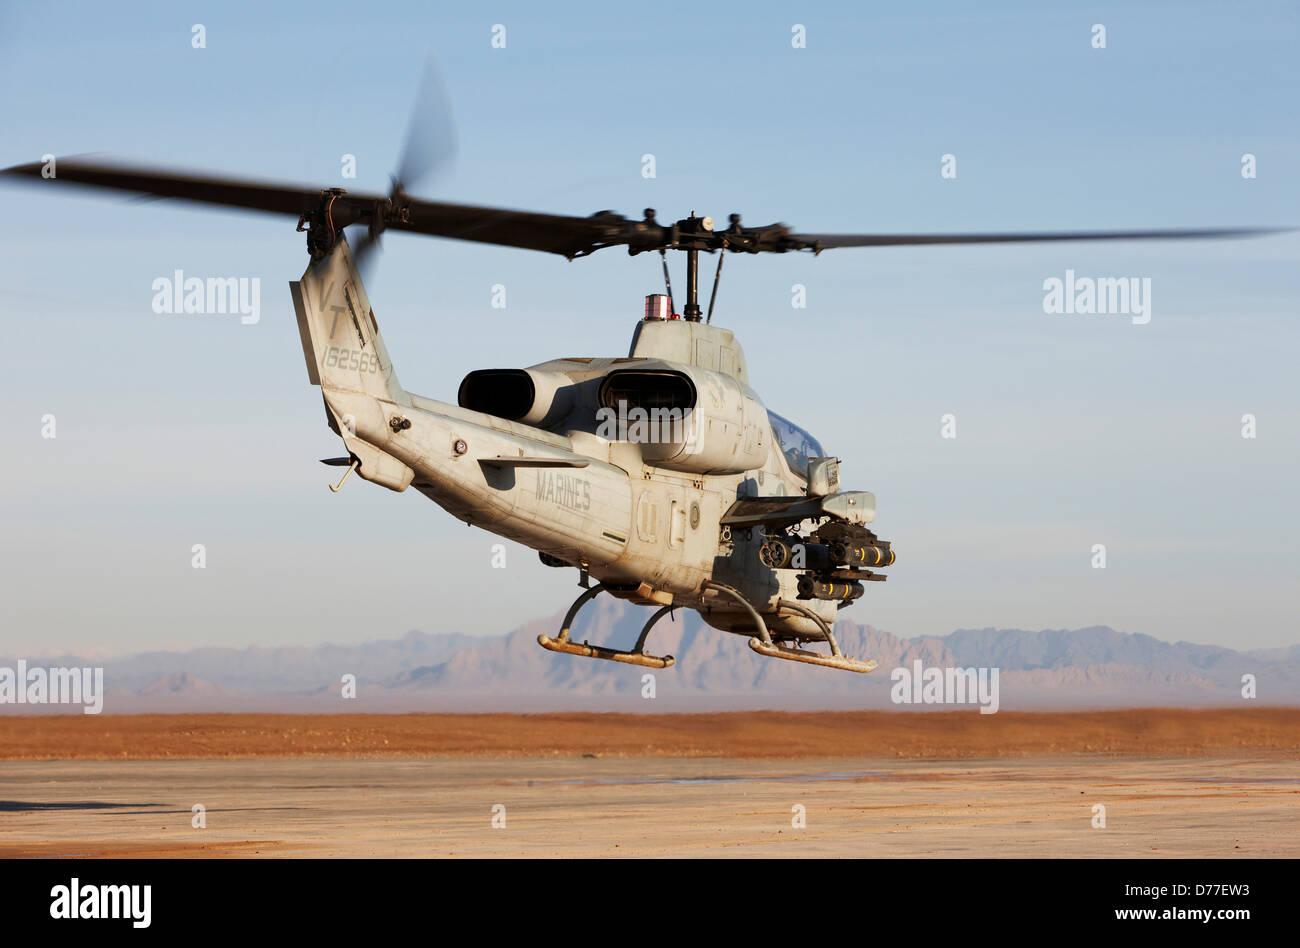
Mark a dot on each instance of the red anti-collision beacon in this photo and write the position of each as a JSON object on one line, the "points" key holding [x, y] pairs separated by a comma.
{"points": [[657, 307]]}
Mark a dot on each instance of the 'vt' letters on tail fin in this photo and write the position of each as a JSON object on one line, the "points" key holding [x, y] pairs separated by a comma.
{"points": [[340, 337]]}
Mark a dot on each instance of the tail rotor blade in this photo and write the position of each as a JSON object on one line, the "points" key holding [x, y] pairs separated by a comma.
{"points": [[430, 143], [364, 252], [429, 147]]}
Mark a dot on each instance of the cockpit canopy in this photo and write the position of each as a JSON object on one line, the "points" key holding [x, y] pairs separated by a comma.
{"points": [[796, 444]]}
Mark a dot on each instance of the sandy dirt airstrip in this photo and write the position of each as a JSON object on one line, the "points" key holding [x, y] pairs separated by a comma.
{"points": [[1172, 783]]}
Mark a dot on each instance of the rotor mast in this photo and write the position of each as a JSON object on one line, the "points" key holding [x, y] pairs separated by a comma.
{"points": [[693, 234], [691, 312]]}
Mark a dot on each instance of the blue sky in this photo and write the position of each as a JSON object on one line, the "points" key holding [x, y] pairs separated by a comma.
{"points": [[1072, 430]]}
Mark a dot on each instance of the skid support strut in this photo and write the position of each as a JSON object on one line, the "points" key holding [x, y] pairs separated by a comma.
{"points": [[763, 644], [637, 656]]}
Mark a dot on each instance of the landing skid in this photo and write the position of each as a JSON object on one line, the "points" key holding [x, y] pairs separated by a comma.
{"points": [[763, 644], [812, 658], [635, 657]]}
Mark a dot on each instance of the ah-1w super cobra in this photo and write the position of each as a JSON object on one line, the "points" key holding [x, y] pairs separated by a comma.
{"points": [[696, 496]]}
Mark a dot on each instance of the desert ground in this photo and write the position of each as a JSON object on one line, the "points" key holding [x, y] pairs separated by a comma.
{"points": [[1171, 782]]}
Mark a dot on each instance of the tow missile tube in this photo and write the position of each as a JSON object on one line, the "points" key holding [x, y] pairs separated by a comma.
{"points": [[784, 552], [862, 554], [835, 591]]}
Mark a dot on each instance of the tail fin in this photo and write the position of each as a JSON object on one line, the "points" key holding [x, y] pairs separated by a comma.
{"points": [[347, 358], [340, 338]]}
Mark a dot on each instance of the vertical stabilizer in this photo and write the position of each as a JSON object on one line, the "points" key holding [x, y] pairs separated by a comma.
{"points": [[340, 337]]}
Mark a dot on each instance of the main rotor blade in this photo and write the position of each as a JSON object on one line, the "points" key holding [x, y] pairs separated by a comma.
{"points": [[832, 241], [231, 192], [550, 233]]}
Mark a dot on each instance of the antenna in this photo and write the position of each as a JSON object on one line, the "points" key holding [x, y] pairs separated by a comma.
{"points": [[722, 255], [668, 283]]}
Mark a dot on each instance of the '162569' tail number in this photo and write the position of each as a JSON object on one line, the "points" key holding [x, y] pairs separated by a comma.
{"points": [[344, 358]]}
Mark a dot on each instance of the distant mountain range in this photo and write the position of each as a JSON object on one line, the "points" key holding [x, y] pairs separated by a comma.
{"points": [[1080, 668]]}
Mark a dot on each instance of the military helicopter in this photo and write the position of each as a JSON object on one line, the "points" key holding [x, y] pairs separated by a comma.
{"points": [[659, 474]]}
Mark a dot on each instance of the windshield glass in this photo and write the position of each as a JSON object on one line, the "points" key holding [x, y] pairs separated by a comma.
{"points": [[796, 444]]}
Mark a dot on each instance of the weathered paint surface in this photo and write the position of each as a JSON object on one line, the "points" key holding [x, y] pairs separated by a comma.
{"points": [[580, 497]]}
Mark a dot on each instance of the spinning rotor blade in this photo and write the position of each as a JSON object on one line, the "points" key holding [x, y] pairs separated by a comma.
{"points": [[529, 230], [430, 144], [550, 233], [429, 147], [151, 182], [553, 233], [818, 242]]}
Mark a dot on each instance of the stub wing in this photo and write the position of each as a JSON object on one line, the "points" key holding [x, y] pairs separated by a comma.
{"points": [[856, 507]]}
